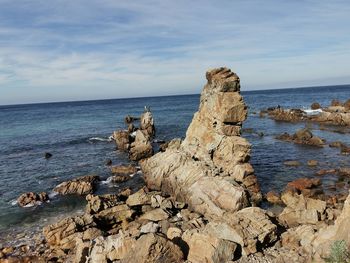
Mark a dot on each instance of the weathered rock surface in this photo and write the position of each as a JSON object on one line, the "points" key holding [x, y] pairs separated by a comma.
{"points": [[122, 140], [209, 168], [141, 148], [82, 185], [32, 199], [303, 136], [123, 169]]}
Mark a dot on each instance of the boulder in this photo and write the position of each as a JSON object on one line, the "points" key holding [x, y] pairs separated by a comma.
{"points": [[82, 185], [292, 163], [208, 169], [147, 124], [97, 203], [139, 198], [114, 215], [303, 136], [141, 148], [315, 106], [273, 197], [155, 215], [122, 139], [312, 163], [32, 199], [153, 248], [304, 183]]}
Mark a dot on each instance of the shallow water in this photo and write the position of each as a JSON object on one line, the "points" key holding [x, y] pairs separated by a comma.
{"points": [[76, 134]]}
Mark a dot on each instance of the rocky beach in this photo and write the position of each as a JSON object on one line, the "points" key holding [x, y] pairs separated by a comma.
{"points": [[200, 198]]}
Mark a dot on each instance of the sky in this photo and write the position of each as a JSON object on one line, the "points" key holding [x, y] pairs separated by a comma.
{"points": [[60, 50]]}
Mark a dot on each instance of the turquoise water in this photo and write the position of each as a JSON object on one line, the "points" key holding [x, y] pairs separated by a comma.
{"points": [[76, 134]]}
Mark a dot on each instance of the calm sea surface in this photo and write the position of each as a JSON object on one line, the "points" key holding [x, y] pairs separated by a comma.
{"points": [[76, 134]]}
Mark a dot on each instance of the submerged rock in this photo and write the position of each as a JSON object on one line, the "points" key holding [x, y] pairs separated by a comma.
{"points": [[303, 136]]}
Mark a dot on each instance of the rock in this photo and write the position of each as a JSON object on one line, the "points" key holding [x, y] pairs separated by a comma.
{"points": [[114, 215], [346, 105], [141, 148], [97, 203], [139, 198], [173, 232], [155, 215], [292, 163], [301, 210], [315, 106], [295, 237], [312, 162], [129, 119], [212, 146], [123, 169], [209, 248], [122, 140], [345, 150], [336, 144], [119, 178], [82, 185], [109, 162], [273, 197], [48, 155], [150, 227], [111, 248], [32, 199], [147, 124], [62, 233], [336, 103], [304, 183], [344, 171], [303, 136], [326, 171], [154, 248]]}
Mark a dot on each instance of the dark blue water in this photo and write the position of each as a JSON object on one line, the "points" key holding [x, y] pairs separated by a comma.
{"points": [[66, 130]]}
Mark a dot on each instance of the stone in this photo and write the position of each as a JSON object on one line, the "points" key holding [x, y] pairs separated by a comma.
{"points": [[122, 140], [82, 185], [273, 197], [129, 119], [109, 162], [208, 248], [62, 233], [152, 248], [336, 144], [155, 215], [312, 163], [97, 203], [48, 155], [292, 163], [119, 178], [141, 148], [315, 106], [147, 123], [32, 199], [123, 169], [304, 183], [303, 136], [150, 227], [201, 170], [139, 198], [114, 215], [173, 232]]}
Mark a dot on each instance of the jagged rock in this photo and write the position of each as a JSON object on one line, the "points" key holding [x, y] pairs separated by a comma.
{"points": [[114, 215], [329, 234], [301, 210], [82, 185], [48, 155], [203, 170], [173, 232], [336, 144], [150, 227], [303, 136], [208, 248], [32, 199], [129, 119], [111, 248], [123, 169], [295, 237], [63, 233], [139, 198], [152, 248], [147, 124], [97, 203], [122, 140], [304, 183], [155, 215], [141, 148], [273, 197]]}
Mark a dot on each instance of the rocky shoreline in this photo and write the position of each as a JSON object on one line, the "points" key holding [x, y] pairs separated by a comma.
{"points": [[200, 202]]}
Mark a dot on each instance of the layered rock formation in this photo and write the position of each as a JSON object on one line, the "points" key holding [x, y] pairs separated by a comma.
{"points": [[303, 136]]}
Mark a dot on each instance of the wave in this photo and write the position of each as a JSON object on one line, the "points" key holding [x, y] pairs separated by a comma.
{"points": [[100, 139]]}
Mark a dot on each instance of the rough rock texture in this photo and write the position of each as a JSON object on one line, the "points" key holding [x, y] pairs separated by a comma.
{"points": [[209, 169], [147, 124], [122, 140], [141, 148], [303, 136], [82, 185], [123, 169], [32, 199]]}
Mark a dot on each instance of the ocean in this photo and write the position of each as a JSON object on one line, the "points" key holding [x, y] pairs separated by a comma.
{"points": [[76, 134]]}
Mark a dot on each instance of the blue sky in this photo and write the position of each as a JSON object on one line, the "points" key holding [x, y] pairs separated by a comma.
{"points": [[82, 49]]}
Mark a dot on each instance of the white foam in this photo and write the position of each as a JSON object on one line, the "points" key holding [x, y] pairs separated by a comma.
{"points": [[52, 194], [313, 112], [100, 139], [13, 202]]}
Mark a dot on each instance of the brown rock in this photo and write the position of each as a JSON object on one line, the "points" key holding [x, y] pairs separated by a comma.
{"points": [[336, 103], [312, 162], [97, 203], [304, 183], [292, 163], [303, 136], [147, 123], [154, 248], [123, 169], [326, 171], [82, 185], [273, 197], [155, 215], [122, 140], [139, 198], [141, 148], [315, 106], [336, 144], [31, 199]]}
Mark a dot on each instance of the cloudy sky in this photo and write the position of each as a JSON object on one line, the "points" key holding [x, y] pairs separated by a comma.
{"points": [[62, 50]]}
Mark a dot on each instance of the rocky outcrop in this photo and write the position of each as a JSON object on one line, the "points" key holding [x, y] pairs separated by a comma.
{"points": [[303, 136], [82, 185], [137, 141], [209, 168], [32, 199]]}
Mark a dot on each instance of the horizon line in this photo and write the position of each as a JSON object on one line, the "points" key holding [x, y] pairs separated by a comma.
{"points": [[170, 95]]}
